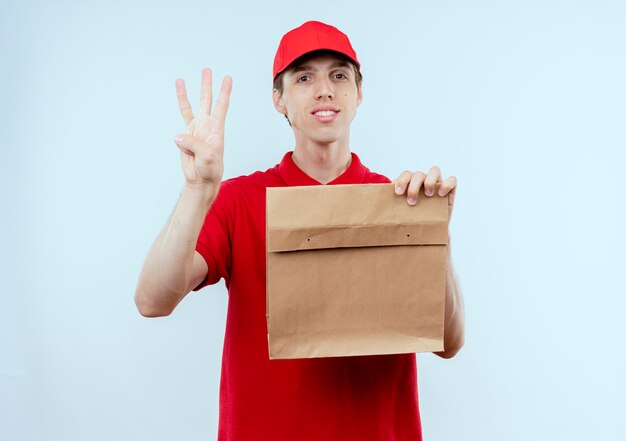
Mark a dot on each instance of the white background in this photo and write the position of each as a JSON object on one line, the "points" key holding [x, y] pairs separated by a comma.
{"points": [[525, 102]]}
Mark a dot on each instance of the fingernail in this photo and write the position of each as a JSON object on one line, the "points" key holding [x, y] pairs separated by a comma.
{"points": [[428, 192], [178, 139], [411, 201], [398, 190], [441, 193]]}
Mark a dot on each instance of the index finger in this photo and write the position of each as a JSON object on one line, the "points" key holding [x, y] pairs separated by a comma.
{"points": [[221, 105], [183, 101]]}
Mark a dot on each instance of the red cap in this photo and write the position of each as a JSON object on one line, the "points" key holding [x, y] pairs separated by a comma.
{"points": [[311, 36]]}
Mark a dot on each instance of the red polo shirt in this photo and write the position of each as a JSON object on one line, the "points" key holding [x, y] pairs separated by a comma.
{"points": [[321, 399]]}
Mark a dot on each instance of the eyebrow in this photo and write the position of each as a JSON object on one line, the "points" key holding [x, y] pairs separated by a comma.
{"points": [[306, 67]]}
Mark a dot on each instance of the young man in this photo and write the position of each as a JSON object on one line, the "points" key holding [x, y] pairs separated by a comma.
{"points": [[217, 230]]}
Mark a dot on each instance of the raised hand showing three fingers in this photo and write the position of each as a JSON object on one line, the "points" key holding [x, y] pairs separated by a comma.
{"points": [[202, 147]]}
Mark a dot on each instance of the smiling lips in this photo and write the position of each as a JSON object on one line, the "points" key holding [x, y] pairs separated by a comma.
{"points": [[325, 115]]}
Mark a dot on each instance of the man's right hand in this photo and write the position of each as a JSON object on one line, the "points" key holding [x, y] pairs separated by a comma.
{"points": [[202, 147]]}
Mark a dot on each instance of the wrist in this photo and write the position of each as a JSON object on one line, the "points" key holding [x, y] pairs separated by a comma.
{"points": [[203, 194]]}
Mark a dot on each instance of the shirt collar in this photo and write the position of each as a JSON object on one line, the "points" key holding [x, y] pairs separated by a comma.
{"points": [[293, 175]]}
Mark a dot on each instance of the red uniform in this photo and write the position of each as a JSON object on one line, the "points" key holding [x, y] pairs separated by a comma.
{"points": [[346, 398]]}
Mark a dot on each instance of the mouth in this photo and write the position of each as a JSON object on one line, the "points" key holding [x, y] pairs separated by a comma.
{"points": [[325, 115]]}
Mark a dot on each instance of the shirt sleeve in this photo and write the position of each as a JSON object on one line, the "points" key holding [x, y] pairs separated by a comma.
{"points": [[214, 238]]}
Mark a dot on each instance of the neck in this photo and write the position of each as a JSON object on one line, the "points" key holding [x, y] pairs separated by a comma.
{"points": [[323, 162]]}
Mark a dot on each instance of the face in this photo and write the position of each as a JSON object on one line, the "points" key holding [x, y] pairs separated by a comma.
{"points": [[320, 98]]}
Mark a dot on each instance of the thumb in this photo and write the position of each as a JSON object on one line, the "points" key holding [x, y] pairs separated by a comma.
{"points": [[189, 145]]}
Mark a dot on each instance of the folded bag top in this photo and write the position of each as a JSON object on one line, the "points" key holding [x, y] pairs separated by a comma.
{"points": [[338, 216]]}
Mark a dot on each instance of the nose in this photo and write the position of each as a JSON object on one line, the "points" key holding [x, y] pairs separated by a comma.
{"points": [[325, 89]]}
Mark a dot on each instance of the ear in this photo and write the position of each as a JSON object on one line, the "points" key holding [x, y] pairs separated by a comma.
{"points": [[359, 96], [279, 105]]}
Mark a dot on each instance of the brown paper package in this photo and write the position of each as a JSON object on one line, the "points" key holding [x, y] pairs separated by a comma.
{"points": [[354, 270]]}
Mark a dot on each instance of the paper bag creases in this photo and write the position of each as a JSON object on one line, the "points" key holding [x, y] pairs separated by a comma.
{"points": [[354, 270]]}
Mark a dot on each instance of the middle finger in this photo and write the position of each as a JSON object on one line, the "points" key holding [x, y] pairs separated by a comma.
{"points": [[414, 187], [206, 92]]}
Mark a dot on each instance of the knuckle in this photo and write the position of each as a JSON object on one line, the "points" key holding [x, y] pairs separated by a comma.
{"points": [[210, 156], [208, 159], [402, 180]]}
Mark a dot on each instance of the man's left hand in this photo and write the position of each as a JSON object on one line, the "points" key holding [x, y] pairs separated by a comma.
{"points": [[409, 183]]}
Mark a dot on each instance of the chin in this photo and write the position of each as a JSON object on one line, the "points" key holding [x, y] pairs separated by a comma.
{"points": [[326, 137], [320, 135]]}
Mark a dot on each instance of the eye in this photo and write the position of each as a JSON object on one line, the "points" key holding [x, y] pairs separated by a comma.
{"points": [[303, 78], [340, 76]]}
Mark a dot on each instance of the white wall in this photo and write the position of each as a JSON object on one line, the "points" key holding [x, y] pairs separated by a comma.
{"points": [[525, 102]]}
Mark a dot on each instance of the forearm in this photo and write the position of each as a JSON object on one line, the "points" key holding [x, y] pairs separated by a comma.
{"points": [[164, 279], [454, 321]]}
